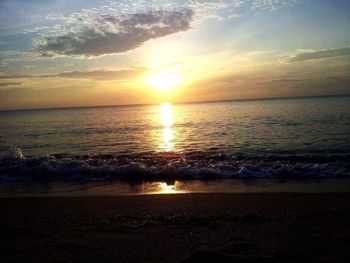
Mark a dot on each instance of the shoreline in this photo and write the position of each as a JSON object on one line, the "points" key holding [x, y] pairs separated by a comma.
{"points": [[265, 227], [124, 188]]}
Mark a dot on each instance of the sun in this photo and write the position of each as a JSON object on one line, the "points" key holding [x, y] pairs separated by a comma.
{"points": [[164, 80]]}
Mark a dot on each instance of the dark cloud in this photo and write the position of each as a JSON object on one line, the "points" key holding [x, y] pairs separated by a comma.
{"points": [[326, 53], [96, 75], [107, 34], [287, 80], [101, 74], [13, 76], [5, 84], [345, 79]]}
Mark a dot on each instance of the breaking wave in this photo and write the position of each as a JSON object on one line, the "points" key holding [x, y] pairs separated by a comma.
{"points": [[171, 166]]}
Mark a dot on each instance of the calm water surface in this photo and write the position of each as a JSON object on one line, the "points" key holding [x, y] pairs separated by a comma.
{"points": [[295, 125]]}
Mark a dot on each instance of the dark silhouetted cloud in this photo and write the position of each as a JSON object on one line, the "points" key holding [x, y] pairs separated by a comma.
{"points": [[14, 76], [101, 74], [285, 80], [122, 74], [5, 84], [326, 53], [108, 34], [345, 79]]}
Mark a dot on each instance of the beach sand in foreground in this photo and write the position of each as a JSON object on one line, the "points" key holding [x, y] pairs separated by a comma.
{"points": [[274, 227]]}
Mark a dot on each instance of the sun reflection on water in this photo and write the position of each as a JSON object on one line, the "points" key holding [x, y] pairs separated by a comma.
{"points": [[165, 188], [166, 115], [166, 119]]}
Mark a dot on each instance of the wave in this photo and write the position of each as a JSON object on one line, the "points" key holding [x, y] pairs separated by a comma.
{"points": [[171, 166]]}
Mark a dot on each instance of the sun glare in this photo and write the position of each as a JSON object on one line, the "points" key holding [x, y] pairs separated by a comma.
{"points": [[164, 80], [164, 188], [166, 117], [166, 120]]}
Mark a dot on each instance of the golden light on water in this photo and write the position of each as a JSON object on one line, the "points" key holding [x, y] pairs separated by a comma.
{"points": [[166, 120], [164, 80], [167, 136], [166, 115], [164, 188]]}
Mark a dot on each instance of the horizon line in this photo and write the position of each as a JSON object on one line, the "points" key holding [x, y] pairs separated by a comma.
{"points": [[182, 102]]}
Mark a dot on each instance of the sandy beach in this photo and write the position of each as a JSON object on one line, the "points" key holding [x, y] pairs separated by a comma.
{"points": [[274, 227]]}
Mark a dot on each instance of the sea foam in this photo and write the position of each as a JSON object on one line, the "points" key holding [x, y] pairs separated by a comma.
{"points": [[171, 166]]}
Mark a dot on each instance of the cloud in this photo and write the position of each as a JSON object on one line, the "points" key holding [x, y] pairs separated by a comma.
{"points": [[304, 55], [345, 79], [108, 34], [14, 76], [109, 30], [286, 80], [122, 74], [272, 4], [101, 74], [5, 84]]}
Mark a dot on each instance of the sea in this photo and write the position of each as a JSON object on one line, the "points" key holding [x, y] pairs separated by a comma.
{"points": [[271, 138]]}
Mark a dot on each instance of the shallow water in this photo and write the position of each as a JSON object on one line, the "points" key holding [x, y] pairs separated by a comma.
{"points": [[264, 138], [115, 188]]}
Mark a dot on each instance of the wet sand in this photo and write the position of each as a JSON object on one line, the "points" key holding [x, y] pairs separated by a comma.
{"points": [[269, 227]]}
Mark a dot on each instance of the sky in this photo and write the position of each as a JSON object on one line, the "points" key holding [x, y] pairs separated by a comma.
{"points": [[87, 53]]}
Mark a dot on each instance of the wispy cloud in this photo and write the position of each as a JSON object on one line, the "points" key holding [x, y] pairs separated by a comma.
{"points": [[102, 74], [304, 55], [108, 34], [285, 81], [6, 84], [15, 76], [122, 74], [271, 4]]}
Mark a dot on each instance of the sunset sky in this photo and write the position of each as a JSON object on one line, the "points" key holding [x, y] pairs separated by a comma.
{"points": [[82, 53]]}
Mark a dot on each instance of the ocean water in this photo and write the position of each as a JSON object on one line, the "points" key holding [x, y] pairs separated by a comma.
{"points": [[306, 137]]}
